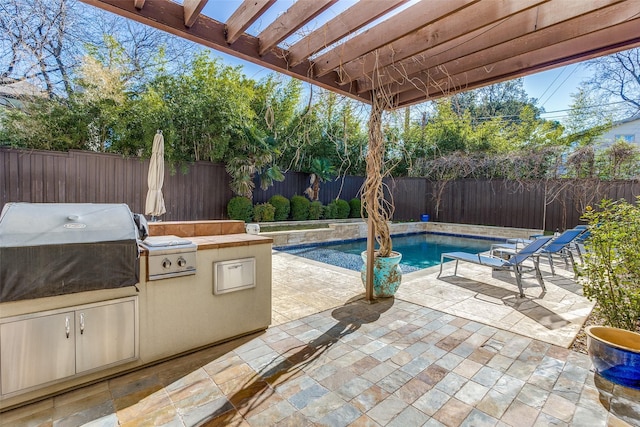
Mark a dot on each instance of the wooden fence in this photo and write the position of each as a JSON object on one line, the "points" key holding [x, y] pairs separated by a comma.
{"points": [[200, 190], [86, 177]]}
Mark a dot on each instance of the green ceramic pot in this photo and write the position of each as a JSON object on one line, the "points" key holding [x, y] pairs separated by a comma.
{"points": [[386, 274]]}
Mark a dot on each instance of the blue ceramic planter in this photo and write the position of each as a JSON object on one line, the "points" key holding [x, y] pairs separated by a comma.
{"points": [[615, 354], [386, 274]]}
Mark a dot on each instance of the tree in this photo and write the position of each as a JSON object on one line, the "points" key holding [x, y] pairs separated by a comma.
{"points": [[504, 100], [43, 41], [39, 40], [446, 132], [586, 120], [200, 110], [619, 161], [321, 171], [251, 155], [617, 78], [328, 127], [87, 120]]}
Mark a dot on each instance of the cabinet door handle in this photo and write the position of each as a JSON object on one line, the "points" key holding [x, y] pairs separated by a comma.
{"points": [[67, 326], [81, 323]]}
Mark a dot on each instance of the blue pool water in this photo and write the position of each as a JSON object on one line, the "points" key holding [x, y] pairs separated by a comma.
{"points": [[418, 250]]}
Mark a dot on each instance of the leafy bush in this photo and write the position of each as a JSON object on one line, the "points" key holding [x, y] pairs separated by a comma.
{"points": [[263, 212], [355, 206], [342, 209], [612, 262], [282, 206], [299, 208], [331, 210], [240, 208], [316, 210]]}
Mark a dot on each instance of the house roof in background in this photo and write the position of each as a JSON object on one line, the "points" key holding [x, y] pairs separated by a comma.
{"points": [[628, 119], [13, 88], [414, 50]]}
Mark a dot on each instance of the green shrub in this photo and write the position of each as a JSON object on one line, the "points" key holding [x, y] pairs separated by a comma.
{"points": [[316, 210], [299, 208], [342, 209], [263, 212], [282, 206], [612, 262], [331, 210], [240, 208], [355, 206]]}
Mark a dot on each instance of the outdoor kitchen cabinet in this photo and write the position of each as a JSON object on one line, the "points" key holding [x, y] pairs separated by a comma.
{"points": [[45, 347]]}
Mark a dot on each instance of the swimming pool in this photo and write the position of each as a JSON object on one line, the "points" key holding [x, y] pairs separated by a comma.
{"points": [[418, 251]]}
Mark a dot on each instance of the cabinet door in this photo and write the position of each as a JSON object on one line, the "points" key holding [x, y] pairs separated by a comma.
{"points": [[105, 335], [37, 350]]}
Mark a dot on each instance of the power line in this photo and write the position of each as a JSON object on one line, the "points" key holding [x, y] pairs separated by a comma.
{"points": [[516, 116], [560, 85], [551, 84], [586, 107]]}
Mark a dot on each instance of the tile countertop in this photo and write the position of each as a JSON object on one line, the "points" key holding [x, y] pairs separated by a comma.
{"points": [[229, 240], [224, 241]]}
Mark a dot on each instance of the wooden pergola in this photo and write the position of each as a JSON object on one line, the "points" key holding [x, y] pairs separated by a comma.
{"points": [[407, 51], [430, 49]]}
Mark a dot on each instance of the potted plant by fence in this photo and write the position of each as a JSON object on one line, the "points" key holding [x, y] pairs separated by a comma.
{"points": [[386, 271], [611, 273]]}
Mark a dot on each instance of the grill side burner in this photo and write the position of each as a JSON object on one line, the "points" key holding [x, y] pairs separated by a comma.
{"points": [[169, 256]]}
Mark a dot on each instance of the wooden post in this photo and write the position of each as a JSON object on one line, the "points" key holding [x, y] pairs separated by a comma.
{"points": [[371, 238], [373, 170]]}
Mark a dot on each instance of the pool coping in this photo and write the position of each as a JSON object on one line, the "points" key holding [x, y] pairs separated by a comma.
{"points": [[338, 232], [362, 239]]}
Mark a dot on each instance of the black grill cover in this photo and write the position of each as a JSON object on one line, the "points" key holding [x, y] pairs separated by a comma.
{"points": [[49, 249]]}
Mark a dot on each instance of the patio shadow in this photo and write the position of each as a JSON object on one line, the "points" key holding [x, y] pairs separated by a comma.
{"points": [[291, 363], [527, 306]]}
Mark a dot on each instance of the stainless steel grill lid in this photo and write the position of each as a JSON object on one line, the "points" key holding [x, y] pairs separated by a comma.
{"points": [[49, 249]]}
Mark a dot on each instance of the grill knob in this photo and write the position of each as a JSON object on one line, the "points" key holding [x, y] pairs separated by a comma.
{"points": [[182, 262], [166, 263]]}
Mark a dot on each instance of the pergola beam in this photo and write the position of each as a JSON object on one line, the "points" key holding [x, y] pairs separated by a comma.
{"points": [[527, 50], [168, 16], [411, 19], [517, 32], [449, 28], [248, 12], [593, 45], [289, 22], [192, 9], [339, 27], [422, 52]]}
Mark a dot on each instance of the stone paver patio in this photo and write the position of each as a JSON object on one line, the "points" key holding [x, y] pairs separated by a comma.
{"points": [[455, 351]]}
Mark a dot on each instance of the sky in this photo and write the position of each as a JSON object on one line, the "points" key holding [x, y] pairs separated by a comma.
{"points": [[553, 88]]}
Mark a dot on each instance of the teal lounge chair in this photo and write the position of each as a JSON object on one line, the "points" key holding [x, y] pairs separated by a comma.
{"points": [[514, 263]]}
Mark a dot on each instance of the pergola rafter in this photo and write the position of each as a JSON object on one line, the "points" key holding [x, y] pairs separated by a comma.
{"points": [[475, 16], [488, 44]]}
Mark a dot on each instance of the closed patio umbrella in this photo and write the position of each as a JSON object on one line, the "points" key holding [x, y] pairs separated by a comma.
{"points": [[154, 205]]}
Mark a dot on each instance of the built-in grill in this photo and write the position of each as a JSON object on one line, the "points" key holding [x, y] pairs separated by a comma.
{"points": [[49, 249], [169, 256]]}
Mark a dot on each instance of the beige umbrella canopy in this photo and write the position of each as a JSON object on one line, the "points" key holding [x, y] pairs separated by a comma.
{"points": [[155, 202]]}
